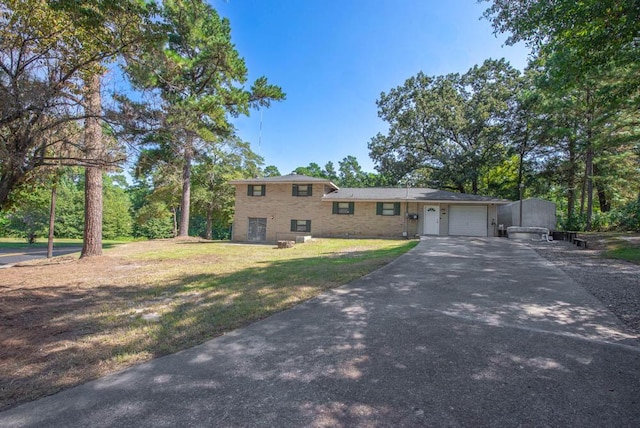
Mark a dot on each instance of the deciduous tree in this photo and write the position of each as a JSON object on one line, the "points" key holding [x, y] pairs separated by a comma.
{"points": [[451, 126]]}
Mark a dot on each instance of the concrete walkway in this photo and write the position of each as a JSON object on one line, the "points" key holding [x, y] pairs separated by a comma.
{"points": [[458, 332]]}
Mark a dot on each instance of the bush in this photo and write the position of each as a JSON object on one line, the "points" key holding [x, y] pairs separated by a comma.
{"points": [[576, 223], [627, 218], [154, 221]]}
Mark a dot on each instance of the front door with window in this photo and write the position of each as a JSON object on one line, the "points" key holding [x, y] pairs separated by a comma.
{"points": [[431, 220], [257, 229]]}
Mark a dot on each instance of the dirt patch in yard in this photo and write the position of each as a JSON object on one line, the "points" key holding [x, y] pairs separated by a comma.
{"points": [[66, 321], [58, 317], [46, 313]]}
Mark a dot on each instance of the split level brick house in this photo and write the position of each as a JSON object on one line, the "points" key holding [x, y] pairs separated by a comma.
{"points": [[280, 208]]}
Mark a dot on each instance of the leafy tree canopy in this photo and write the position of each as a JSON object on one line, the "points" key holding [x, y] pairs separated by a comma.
{"points": [[450, 127]]}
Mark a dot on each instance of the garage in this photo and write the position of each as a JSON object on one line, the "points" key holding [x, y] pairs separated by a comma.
{"points": [[468, 220]]}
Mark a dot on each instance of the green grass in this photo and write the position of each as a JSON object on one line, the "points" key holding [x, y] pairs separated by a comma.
{"points": [[621, 249], [235, 284]]}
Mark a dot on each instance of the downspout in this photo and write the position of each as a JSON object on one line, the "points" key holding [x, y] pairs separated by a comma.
{"points": [[406, 213], [406, 219]]}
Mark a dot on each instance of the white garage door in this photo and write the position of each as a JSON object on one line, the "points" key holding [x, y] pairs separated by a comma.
{"points": [[468, 220]]}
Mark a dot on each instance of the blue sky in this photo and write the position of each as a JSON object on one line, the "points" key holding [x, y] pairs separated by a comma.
{"points": [[334, 58]]}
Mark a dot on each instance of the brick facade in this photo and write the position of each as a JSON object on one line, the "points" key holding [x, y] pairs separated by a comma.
{"points": [[278, 207]]}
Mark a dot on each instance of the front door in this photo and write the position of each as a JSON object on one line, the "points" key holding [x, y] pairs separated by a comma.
{"points": [[431, 220], [257, 229]]}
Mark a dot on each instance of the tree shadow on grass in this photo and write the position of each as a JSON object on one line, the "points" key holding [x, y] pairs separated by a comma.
{"points": [[58, 336]]}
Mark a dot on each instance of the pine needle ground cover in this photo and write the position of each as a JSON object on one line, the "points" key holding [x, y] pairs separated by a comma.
{"points": [[66, 321]]}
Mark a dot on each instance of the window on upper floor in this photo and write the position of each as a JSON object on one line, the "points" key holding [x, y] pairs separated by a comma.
{"points": [[388, 208], [302, 190], [301, 225], [343, 207], [256, 190]]}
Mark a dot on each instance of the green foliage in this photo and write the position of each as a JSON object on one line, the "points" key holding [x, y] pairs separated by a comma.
{"points": [[330, 172], [271, 171], [586, 53], [501, 181], [624, 251], [47, 50], [449, 125], [29, 215], [70, 205], [154, 221], [117, 222], [584, 35], [30, 218], [312, 170], [349, 174], [628, 217], [198, 79], [213, 196], [625, 218]]}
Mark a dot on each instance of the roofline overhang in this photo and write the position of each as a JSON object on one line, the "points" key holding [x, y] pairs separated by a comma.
{"points": [[429, 201], [292, 181]]}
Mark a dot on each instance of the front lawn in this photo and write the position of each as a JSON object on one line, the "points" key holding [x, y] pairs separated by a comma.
{"points": [[66, 321]]}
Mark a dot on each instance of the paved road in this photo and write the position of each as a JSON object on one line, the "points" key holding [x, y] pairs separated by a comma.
{"points": [[10, 256], [458, 332]]}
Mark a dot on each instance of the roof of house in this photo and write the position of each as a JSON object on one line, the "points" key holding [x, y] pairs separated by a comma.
{"points": [[375, 193], [406, 194], [290, 178]]}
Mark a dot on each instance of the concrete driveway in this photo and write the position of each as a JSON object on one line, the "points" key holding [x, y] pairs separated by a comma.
{"points": [[458, 332]]}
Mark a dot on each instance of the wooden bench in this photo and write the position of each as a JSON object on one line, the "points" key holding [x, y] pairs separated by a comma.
{"points": [[580, 242]]}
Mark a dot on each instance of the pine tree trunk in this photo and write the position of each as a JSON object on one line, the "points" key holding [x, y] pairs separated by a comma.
{"points": [[583, 192], [186, 194], [589, 163], [571, 179], [52, 219], [589, 190], [92, 242], [601, 190]]}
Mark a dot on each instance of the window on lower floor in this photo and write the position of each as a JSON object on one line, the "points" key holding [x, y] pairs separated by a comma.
{"points": [[301, 225], [388, 208], [343, 207]]}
